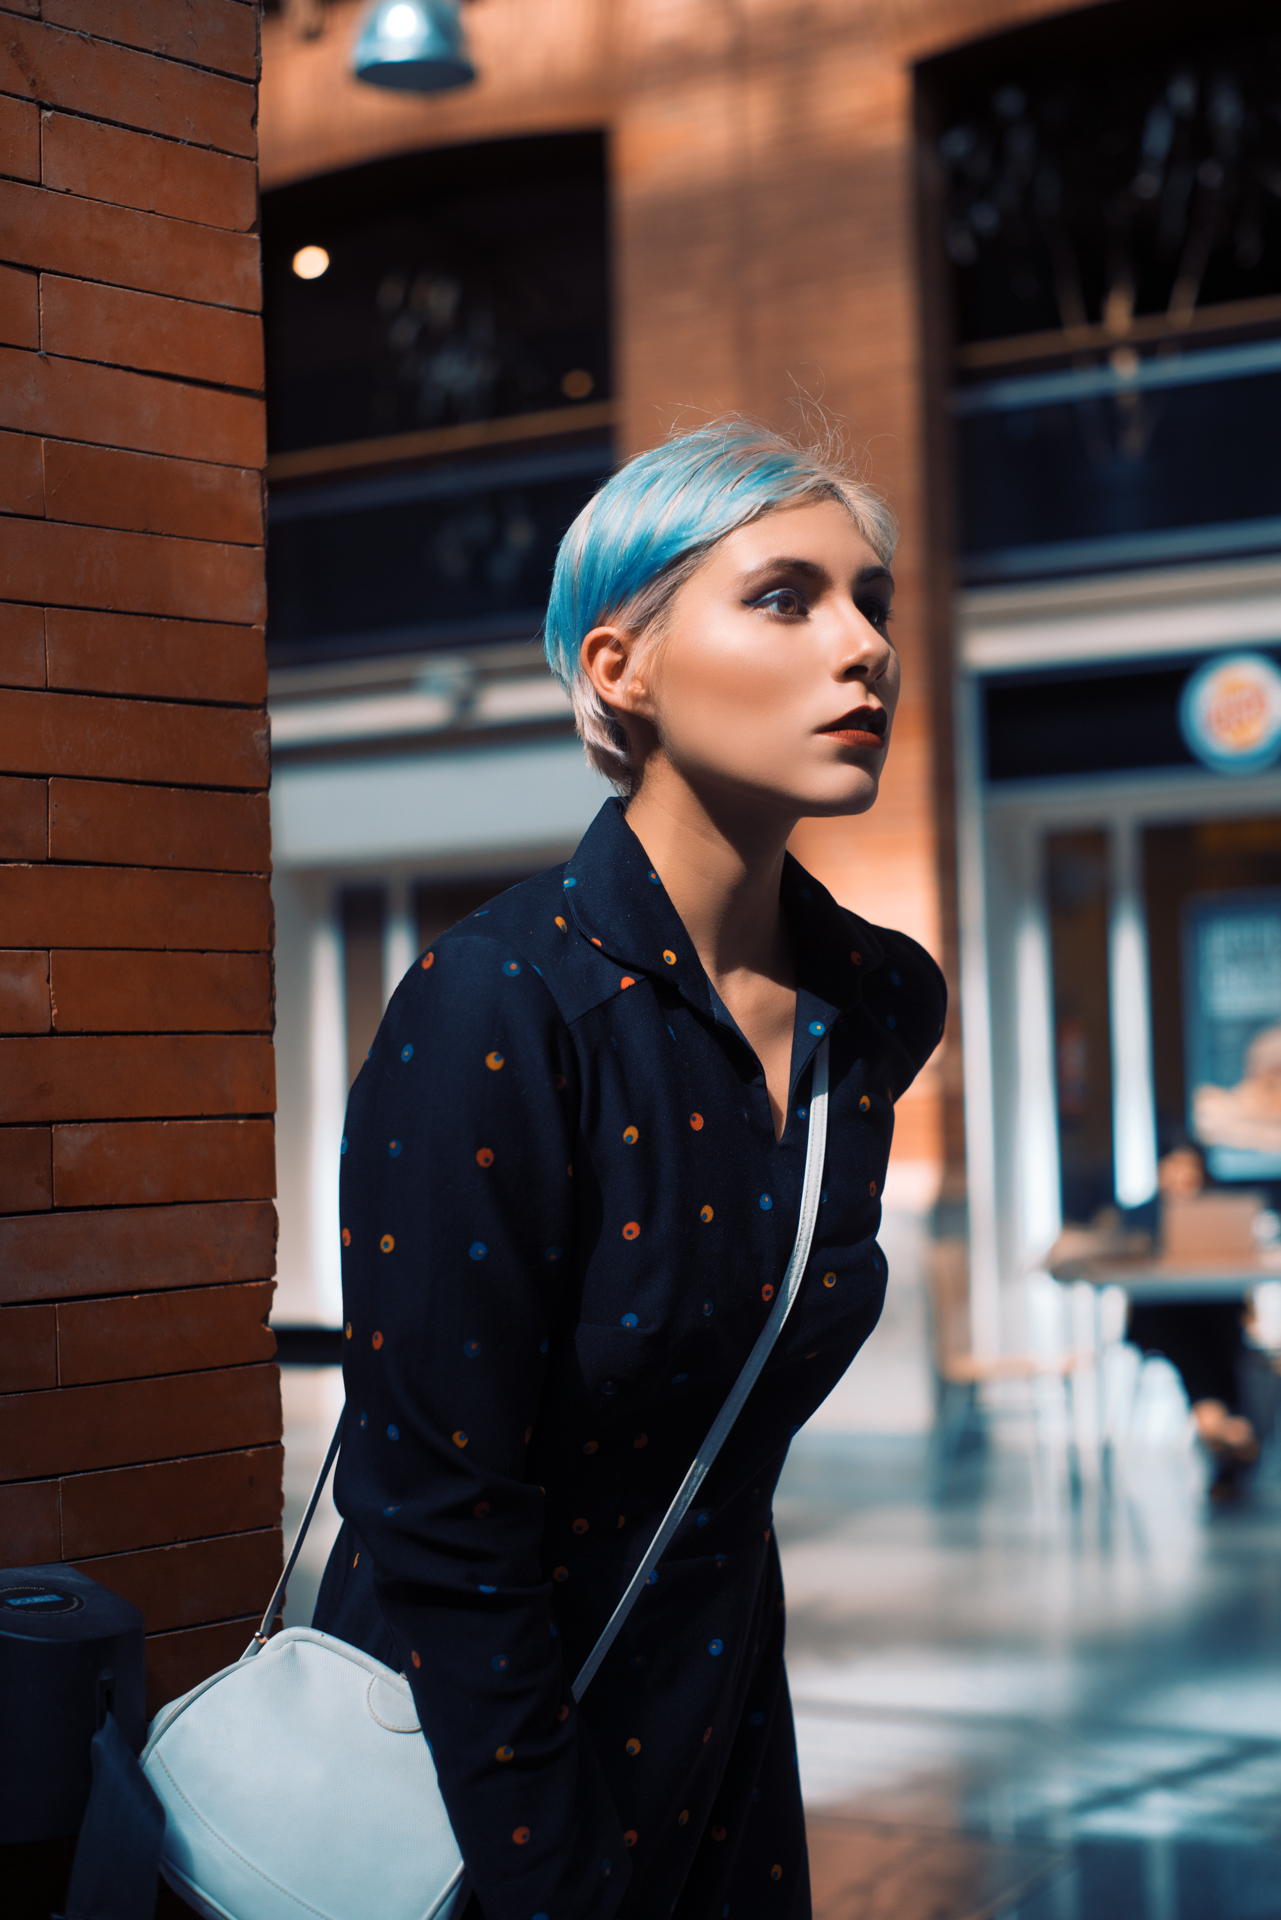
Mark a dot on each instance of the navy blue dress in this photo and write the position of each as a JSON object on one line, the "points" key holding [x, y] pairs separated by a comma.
{"points": [[564, 1216]]}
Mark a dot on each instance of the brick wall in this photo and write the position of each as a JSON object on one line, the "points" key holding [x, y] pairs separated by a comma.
{"points": [[139, 1401]]}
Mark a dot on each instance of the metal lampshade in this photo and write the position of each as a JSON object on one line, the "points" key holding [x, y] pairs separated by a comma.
{"points": [[417, 46]]}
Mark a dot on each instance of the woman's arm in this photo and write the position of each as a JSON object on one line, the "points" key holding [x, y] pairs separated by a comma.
{"points": [[456, 1224]]}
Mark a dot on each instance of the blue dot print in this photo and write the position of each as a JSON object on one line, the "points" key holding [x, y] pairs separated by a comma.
{"points": [[478, 1249], [678, 1379], [471, 1348], [891, 1021], [393, 1148], [407, 1051], [511, 966], [484, 1589], [701, 1519], [756, 1720], [654, 880], [569, 881], [630, 1320], [708, 1309], [896, 979], [499, 1663], [342, 1144], [715, 1646], [817, 1027], [393, 1433], [765, 1203]]}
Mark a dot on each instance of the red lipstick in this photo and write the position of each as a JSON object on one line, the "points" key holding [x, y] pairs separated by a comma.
{"points": [[862, 727]]}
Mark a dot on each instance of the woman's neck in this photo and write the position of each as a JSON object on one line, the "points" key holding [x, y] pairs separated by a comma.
{"points": [[720, 863]]}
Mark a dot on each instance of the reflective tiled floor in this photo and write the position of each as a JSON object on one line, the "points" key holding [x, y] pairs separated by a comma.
{"points": [[1009, 1707]]}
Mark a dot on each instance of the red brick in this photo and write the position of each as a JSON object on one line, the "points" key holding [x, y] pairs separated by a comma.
{"points": [[24, 819], [99, 487], [19, 139], [131, 1077], [158, 992], [156, 176], [169, 1500], [177, 1662], [24, 991], [66, 1256], [26, 1184], [96, 907], [91, 240], [123, 1423], [151, 1162], [21, 474], [158, 826], [116, 326], [29, 1524], [185, 1585], [218, 33], [22, 656], [134, 572], [84, 734], [19, 308], [144, 1334], [94, 652], [28, 1349], [111, 407], [91, 77]]}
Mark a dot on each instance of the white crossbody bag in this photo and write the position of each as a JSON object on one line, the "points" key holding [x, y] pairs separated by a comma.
{"points": [[296, 1784]]}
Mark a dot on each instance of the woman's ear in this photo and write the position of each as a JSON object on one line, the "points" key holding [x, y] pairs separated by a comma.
{"points": [[608, 656]]}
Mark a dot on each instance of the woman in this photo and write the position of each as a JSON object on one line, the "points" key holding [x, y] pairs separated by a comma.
{"points": [[570, 1187]]}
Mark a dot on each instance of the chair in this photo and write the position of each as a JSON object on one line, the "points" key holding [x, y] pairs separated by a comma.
{"points": [[960, 1373]]}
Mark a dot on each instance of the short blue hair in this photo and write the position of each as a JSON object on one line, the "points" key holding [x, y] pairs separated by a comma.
{"points": [[651, 524]]}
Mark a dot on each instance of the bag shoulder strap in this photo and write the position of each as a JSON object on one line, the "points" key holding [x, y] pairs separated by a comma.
{"points": [[811, 1194]]}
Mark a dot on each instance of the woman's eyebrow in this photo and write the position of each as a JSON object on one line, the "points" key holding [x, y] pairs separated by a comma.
{"points": [[873, 576], [807, 569]]}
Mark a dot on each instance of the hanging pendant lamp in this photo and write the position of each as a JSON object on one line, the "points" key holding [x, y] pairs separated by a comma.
{"points": [[415, 46]]}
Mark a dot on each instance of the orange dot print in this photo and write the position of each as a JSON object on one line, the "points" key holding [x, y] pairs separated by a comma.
{"points": [[580, 1526], [641, 1440], [631, 1135], [857, 958], [485, 1158], [377, 1341], [864, 1104], [347, 1329], [776, 1872], [627, 981], [480, 1509], [521, 1836], [829, 1279], [629, 1838], [705, 1214], [560, 922], [696, 1121], [591, 1446], [595, 941], [346, 1236], [631, 1230], [871, 1187], [387, 1242], [429, 959], [669, 956], [416, 1657], [560, 1573], [493, 1061], [682, 1818], [562, 1714], [505, 1753], [767, 1292], [633, 1746], [718, 1833], [460, 1438]]}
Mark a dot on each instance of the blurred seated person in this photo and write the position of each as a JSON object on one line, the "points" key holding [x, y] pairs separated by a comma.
{"points": [[1201, 1339]]}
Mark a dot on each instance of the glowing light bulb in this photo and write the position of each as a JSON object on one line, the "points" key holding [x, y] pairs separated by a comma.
{"points": [[310, 262], [401, 22]]}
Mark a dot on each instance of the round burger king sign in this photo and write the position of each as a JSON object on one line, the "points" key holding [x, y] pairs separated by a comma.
{"points": [[1230, 713]]}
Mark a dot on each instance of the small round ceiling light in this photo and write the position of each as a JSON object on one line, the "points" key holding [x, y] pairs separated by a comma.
{"points": [[416, 46], [310, 262]]}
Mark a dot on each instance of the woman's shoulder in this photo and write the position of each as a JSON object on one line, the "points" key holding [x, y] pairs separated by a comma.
{"points": [[904, 990]]}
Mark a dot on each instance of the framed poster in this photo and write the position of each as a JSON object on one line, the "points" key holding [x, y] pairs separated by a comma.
{"points": [[1232, 1030]]}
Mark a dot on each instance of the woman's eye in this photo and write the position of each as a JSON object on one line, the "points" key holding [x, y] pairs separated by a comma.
{"points": [[784, 600], [877, 614]]}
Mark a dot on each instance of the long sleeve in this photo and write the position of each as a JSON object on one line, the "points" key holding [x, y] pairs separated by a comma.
{"points": [[456, 1225]]}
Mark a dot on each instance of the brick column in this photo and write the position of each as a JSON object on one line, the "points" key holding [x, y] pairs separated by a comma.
{"points": [[139, 1401]]}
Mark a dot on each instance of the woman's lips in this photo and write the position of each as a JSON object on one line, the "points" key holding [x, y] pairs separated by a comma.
{"points": [[865, 727]]}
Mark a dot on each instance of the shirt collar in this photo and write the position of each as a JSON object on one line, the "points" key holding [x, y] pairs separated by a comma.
{"points": [[618, 902]]}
